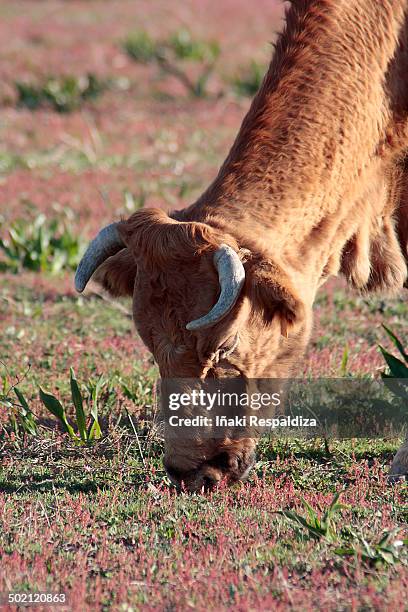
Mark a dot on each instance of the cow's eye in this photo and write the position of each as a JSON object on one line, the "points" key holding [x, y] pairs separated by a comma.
{"points": [[229, 346]]}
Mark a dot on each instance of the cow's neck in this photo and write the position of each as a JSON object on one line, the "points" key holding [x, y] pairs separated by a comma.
{"points": [[308, 147]]}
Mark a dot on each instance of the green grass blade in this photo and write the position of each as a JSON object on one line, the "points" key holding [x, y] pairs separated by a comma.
{"points": [[334, 507], [312, 514], [22, 400], [344, 361], [55, 407], [79, 407], [395, 340], [397, 367], [94, 431], [344, 551], [26, 416], [301, 521]]}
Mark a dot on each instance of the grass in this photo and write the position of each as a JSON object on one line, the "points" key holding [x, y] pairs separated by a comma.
{"points": [[97, 518], [172, 54], [107, 510], [46, 245], [63, 94], [113, 518]]}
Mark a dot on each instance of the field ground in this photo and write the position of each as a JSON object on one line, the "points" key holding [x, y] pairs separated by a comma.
{"points": [[101, 523]]}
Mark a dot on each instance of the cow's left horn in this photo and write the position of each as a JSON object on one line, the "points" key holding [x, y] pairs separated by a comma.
{"points": [[108, 242], [231, 275]]}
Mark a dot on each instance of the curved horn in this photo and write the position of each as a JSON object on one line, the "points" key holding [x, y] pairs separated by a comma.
{"points": [[107, 243], [231, 274]]}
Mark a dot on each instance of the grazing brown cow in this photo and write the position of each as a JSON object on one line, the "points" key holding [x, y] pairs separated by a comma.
{"points": [[315, 184]]}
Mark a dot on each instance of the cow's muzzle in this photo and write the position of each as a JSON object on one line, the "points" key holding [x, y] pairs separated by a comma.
{"points": [[229, 465]]}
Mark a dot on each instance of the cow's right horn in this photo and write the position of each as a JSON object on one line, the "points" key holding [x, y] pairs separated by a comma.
{"points": [[231, 275], [108, 242]]}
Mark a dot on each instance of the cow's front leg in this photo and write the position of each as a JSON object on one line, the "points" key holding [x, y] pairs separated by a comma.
{"points": [[399, 466]]}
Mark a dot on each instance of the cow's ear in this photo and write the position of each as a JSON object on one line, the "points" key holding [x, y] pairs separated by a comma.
{"points": [[272, 295], [117, 274]]}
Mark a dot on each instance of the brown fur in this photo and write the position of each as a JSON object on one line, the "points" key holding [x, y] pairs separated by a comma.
{"points": [[315, 184], [401, 208], [160, 241], [117, 274]]}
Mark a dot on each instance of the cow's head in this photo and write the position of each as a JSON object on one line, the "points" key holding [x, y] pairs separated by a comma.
{"points": [[204, 307]]}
